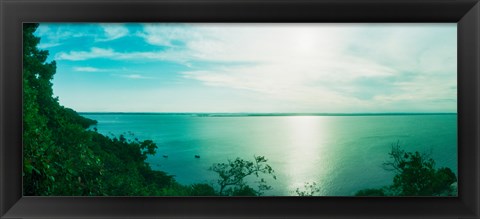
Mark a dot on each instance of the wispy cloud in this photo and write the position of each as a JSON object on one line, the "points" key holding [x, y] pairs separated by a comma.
{"points": [[170, 35], [84, 55], [108, 53], [88, 69], [134, 76], [305, 67], [53, 35], [113, 31], [47, 45], [319, 66]]}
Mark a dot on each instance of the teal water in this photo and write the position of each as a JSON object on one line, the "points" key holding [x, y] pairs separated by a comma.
{"points": [[341, 154]]}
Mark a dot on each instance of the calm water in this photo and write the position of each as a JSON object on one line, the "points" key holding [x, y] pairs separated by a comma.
{"points": [[342, 154]]}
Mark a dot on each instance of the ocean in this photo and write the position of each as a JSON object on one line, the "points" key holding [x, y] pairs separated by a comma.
{"points": [[341, 154]]}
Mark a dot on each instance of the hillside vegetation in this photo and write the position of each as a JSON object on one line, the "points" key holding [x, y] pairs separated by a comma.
{"points": [[63, 158]]}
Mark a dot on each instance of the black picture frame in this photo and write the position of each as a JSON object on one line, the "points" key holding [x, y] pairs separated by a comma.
{"points": [[466, 13]]}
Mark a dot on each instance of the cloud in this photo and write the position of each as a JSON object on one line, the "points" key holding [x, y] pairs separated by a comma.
{"points": [[134, 76], [87, 69], [53, 34], [48, 45], [324, 66], [312, 67], [84, 55], [108, 53], [170, 35], [113, 31]]}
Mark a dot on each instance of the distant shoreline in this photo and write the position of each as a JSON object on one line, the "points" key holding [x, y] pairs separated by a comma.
{"points": [[262, 114]]}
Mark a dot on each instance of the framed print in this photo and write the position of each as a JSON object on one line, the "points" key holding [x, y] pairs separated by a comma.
{"points": [[240, 109], [226, 110]]}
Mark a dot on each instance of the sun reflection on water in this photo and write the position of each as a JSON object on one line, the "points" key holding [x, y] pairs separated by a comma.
{"points": [[307, 140]]}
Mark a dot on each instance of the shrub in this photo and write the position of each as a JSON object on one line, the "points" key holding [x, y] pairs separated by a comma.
{"points": [[232, 176]]}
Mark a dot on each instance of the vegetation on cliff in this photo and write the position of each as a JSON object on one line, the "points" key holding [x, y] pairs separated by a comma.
{"points": [[415, 175], [62, 158]]}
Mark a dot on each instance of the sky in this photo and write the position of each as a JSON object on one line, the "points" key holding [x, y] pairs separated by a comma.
{"points": [[264, 68]]}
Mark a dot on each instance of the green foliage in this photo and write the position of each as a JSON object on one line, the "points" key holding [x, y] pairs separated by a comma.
{"points": [[73, 117], [233, 174], [309, 189], [243, 190], [62, 158], [202, 190], [371, 192], [57, 159], [442, 183], [415, 176], [40, 154]]}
